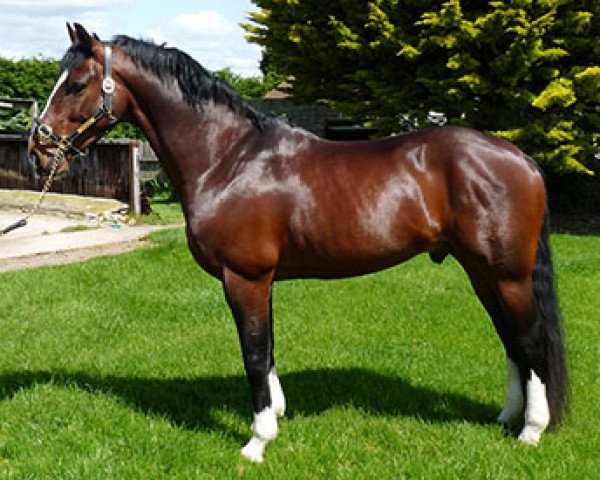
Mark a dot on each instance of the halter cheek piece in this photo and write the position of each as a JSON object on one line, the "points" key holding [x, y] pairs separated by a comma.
{"points": [[66, 144]]}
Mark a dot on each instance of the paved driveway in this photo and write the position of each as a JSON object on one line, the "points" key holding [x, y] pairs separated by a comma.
{"points": [[64, 236]]}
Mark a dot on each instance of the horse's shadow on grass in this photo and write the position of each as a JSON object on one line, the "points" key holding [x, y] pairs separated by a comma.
{"points": [[190, 403]]}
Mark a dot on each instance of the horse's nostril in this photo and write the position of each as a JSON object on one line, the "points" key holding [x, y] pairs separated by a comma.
{"points": [[36, 163]]}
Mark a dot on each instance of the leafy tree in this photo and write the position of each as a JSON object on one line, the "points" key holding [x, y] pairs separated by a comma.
{"points": [[12, 120], [35, 78], [27, 78], [250, 87], [522, 69]]}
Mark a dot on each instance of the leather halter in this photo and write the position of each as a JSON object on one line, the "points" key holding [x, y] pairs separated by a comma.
{"points": [[66, 144]]}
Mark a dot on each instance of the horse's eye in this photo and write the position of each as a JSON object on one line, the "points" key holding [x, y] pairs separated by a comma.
{"points": [[75, 88]]}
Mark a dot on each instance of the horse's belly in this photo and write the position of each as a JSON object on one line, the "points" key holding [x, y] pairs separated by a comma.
{"points": [[345, 257]]}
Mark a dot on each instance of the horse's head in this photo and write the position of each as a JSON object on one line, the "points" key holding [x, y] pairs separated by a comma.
{"points": [[84, 104]]}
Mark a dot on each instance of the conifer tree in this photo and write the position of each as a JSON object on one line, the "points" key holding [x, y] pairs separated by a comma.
{"points": [[526, 70]]}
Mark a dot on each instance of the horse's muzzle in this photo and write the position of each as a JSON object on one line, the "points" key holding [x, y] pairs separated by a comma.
{"points": [[35, 162], [38, 166]]}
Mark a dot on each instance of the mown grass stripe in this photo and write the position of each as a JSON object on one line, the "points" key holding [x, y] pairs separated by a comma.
{"points": [[129, 367]]}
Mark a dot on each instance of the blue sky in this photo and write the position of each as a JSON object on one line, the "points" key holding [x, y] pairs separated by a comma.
{"points": [[206, 29]]}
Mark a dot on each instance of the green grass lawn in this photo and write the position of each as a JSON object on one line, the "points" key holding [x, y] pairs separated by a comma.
{"points": [[129, 367], [164, 211]]}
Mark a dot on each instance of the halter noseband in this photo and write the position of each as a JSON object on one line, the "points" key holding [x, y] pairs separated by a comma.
{"points": [[66, 144]]}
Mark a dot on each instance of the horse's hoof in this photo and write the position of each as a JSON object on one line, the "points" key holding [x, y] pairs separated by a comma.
{"points": [[530, 436], [254, 450]]}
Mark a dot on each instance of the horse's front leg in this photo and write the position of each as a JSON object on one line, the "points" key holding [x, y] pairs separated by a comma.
{"points": [[250, 303]]}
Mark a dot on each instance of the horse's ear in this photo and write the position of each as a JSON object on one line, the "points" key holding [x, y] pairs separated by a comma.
{"points": [[72, 32], [84, 37]]}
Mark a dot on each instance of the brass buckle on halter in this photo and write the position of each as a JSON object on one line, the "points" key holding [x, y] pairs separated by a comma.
{"points": [[63, 144]]}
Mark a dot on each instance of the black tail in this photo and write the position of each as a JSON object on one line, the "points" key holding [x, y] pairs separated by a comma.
{"points": [[553, 370]]}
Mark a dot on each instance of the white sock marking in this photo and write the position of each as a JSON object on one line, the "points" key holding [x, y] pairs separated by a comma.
{"points": [[537, 413], [277, 397], [513, 401], [265, 430], [254, 450]]}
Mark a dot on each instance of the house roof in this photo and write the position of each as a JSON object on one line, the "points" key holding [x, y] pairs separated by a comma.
{"points": [[283, 90]]}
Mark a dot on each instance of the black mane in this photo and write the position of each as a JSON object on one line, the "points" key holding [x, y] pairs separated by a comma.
{"points": [[197, 84]]}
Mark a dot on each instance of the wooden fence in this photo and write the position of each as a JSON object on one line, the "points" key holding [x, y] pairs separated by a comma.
{"points": [[105, 172]]}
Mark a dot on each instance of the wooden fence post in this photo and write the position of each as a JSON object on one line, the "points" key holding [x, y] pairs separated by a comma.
{"points": [[135, 200]]}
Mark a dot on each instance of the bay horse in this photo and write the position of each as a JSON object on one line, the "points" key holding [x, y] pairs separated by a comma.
{"points": [[266, 201]]}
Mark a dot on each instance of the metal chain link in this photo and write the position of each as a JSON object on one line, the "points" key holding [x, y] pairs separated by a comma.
{"points": [[58, 156]]}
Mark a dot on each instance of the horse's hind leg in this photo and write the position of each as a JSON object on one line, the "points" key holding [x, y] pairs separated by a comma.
{"points": [[527, 352], [277, 396], [514, 396], [250, 304], [511, 306]]}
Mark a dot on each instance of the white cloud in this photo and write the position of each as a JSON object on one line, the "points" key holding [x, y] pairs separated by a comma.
{"points": [[37, 28], [44, 7], [211, 39], [202, 25], [45, 36]]}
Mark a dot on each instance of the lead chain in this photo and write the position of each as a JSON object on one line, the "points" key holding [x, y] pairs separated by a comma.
{"points": [[58, 156]]}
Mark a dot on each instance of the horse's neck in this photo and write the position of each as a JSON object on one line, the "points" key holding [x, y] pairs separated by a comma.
{"points": [[187, 140]]}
